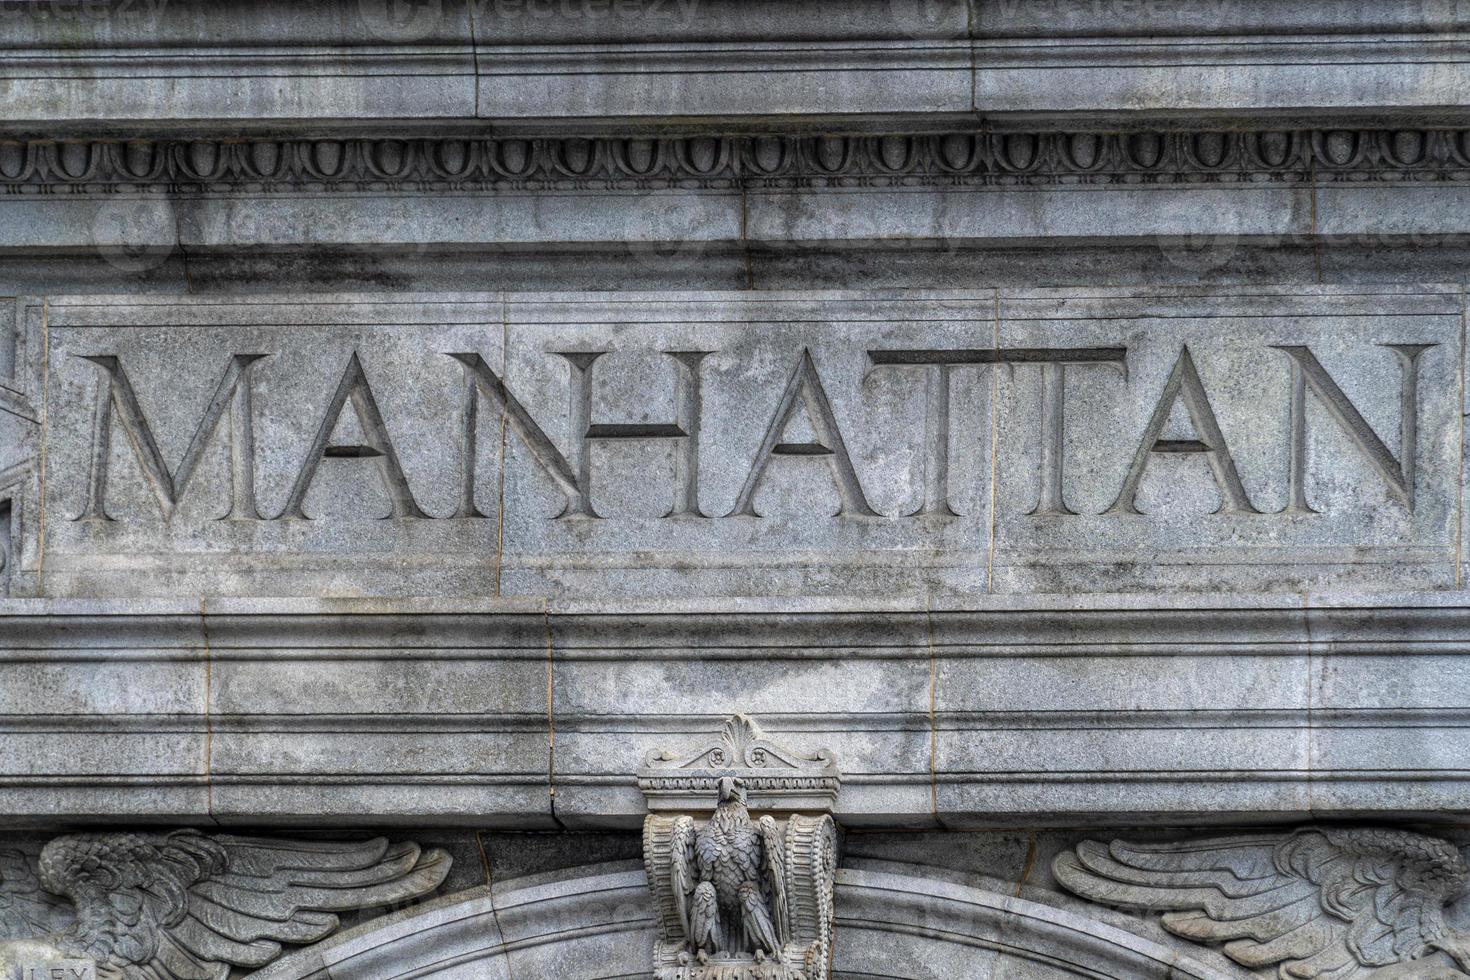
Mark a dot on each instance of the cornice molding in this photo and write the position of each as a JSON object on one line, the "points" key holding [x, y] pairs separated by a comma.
{"points": [[711, 163], [254, 711]]}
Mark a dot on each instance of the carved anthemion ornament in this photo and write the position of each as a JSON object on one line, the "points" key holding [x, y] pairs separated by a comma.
{"points": [[1318, 903], [189, 906], [741, 898]]}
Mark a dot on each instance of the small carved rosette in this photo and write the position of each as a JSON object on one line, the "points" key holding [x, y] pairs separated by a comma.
{"points": [[741, 897]]}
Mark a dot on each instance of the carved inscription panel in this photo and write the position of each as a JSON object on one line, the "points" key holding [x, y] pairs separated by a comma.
{"points": [[71, 969], [879, 444]]}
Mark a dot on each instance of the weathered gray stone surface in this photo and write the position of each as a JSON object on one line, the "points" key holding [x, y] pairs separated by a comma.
{"points": [[120, 60], [1017, 713], [1346, 899], [414, 414], [186, 903], [901, 921], [960, 207], [849, 444]]}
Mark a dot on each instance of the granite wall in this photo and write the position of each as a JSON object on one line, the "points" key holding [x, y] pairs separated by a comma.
{"points": [[418, 419]]}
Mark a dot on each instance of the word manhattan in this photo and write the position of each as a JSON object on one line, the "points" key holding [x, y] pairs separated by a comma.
{"points": [[117, 406]]}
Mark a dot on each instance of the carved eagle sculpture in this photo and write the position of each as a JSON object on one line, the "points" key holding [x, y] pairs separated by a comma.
{"points": [[729, 881], [1316, 903], [186, 906]]}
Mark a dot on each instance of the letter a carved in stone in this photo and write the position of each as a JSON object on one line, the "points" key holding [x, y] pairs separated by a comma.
{"points": [[805, 390], [378, 449], [1184, 384]]}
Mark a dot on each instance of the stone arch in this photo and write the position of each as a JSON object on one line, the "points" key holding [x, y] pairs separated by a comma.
{"points": [[894, 922]]}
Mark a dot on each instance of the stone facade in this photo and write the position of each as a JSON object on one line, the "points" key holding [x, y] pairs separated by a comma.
{"points": [[734, 490]]}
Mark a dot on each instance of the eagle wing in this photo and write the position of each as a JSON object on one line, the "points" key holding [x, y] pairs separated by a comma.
{"points": [[1324, 904], [681, 852], [26, 909], [773, 849], [185, 906]]}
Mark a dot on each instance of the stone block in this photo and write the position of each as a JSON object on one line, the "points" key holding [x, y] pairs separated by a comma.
{"points": [[1247, 440], [118, 61], [1420, 212], [1136, 73], [750, 445], [1043, 211], [639, 226], [808, 455], [680, 683], [356, 389], [761, 78]]}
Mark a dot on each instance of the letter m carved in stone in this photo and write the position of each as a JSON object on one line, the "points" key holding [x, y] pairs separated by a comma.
{"points": [[116, 398]]}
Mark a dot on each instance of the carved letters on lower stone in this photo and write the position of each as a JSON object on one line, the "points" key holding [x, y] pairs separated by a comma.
{"points": [[1335, 903], [129, 906], [741, 898], [49, 969]]}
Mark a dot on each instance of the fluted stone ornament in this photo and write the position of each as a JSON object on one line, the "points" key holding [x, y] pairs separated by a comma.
{"points": [[1317, 903], [741, 898], [189, 906]]}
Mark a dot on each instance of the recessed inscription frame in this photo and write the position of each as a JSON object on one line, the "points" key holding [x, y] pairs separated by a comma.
{"points": [[751, 443], [21, 412], [1266, 439], [321, 381]]}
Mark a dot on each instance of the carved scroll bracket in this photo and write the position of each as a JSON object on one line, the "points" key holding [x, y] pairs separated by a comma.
{"points": [[741, 898]]}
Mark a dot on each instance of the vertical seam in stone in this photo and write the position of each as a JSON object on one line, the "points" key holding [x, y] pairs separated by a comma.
{"points": [[208, 715], [1030, 865], [933, 713], [744, 233], [550, 713], [179, 244], [494, 908], [484, 857], [1311, 727], [1460, 497], [475, 60], [1312, 189], [994, 444], [504, 418], [45, 445], [970, 41]]}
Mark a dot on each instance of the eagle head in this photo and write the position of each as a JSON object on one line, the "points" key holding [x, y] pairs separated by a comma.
{"points": [[732, 788]]}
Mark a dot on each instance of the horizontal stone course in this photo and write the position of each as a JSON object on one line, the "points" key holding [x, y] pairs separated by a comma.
{"points": [[519, 63], [1091, 709]]}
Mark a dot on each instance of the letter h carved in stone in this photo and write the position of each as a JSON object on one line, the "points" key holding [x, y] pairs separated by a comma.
{"points": [[740, 898]]}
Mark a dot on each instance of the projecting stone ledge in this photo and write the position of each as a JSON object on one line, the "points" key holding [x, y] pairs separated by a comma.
{"points": [[589, 62], [1016, 712]]}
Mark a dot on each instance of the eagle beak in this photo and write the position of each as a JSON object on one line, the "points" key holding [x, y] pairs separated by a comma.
{"points": [[732, 788]]}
